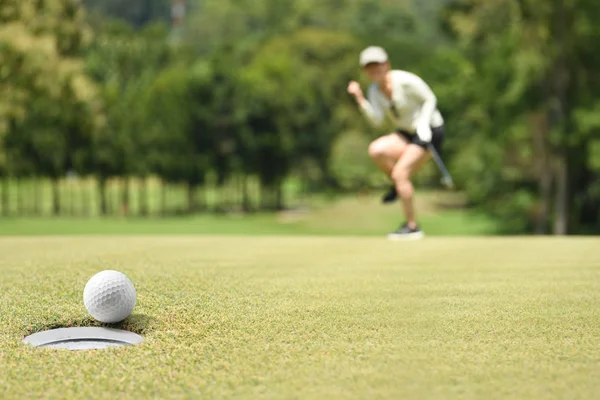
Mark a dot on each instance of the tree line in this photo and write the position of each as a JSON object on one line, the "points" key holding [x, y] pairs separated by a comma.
{"points": [[248, 95]]}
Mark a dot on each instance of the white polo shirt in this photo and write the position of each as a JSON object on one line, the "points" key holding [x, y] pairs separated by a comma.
{"points": [[412, 99]]}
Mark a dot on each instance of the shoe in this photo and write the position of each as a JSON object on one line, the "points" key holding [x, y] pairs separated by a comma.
{"points": [[390, 196], [406, 233]]}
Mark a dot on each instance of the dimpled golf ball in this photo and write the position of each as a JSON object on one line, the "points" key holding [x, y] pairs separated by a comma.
{"points": [[109, 296]]}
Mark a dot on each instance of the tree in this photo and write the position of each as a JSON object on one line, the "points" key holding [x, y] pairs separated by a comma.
{"points": [[298, 119], [534, 73], [47, 107], [124, 63]]}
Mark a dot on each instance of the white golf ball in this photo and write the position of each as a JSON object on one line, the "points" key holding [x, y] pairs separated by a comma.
{"points": [[109, 296]]}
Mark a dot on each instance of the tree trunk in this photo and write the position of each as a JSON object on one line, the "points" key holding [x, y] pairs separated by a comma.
{"points": [[544, 171], [86, 200], [163, 198], [201, 197], [305, 182], [55, 196], [229, 197], [191, 198], [125, 197], [279, 200], [264, 197], [143, 196], [72, 195], [270, 197], [560, 84], [37, 196], [102, 196], [545, 187], [245, 194], [110, 197], [561, 202], [18, 188], [4, 199]]}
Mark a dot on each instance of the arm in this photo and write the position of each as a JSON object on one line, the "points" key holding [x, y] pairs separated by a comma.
{"points": [[369, 108], [423, 93]]}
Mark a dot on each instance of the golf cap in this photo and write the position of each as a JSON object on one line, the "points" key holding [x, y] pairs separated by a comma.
{"points": [[373, 54]]}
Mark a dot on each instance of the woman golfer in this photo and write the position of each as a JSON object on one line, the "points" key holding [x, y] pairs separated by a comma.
{"points": [[411, 105]]}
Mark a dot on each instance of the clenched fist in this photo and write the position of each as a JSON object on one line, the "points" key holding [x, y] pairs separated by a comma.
{"points": [[354, 89]]}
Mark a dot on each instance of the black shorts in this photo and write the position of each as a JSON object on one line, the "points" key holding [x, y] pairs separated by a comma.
{"points": [[437, 137]]}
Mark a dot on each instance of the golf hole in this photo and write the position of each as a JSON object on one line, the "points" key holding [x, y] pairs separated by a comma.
{"points": [[83, 338]]}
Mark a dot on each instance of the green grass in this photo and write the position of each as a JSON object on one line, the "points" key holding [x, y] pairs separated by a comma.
{"points": [[311, 317], [352, 215]]}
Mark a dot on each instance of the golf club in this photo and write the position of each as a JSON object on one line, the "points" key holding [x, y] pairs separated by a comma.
{"points": [[446, 177]]}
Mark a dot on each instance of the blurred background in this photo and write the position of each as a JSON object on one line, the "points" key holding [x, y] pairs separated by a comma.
{"points": [[194, 109]]}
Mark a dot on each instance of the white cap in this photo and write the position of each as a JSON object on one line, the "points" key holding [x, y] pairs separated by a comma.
{"points": [[373, 54]]}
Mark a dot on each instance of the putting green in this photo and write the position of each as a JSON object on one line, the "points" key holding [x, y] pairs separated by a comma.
{"points": [[310, 317]]}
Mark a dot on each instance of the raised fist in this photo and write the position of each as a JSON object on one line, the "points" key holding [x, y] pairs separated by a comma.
{"points": [[354, 89]]}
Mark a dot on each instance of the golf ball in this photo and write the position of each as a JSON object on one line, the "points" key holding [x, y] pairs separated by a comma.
{"points": [[109, 296]]}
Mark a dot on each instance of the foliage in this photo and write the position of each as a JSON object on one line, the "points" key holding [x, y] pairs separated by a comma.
{"points": [[46, 98], [255, 91]]}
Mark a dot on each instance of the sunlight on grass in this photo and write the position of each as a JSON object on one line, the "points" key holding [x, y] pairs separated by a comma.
{"points": [[350, 215], [311, 317]]}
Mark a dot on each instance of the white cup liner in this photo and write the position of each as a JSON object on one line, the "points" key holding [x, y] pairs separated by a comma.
{"points": [[83, 338]]}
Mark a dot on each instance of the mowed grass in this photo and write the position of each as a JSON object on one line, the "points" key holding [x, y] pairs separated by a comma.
{"points": [[310, 318], [439, 214]]}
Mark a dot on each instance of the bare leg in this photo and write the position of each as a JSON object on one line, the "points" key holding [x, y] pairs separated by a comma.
{"points": [[386, 150], [412, 159]]}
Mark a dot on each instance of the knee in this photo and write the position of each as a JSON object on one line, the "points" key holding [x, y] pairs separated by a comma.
{"points": [[376, 150], [401, 174]]}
